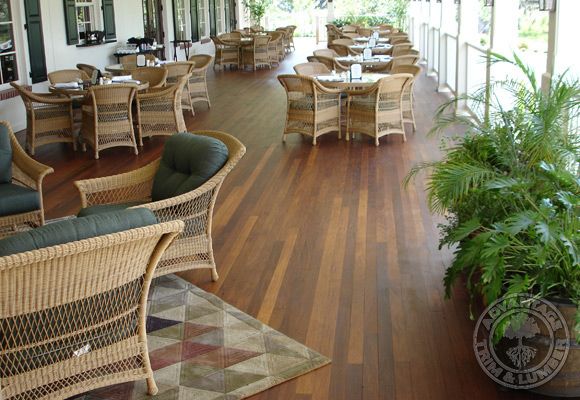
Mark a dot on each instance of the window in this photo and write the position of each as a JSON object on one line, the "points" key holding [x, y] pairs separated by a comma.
{"points": [[180, 19], [202, 17], [86, 23], [219, 16], [8, 68]]}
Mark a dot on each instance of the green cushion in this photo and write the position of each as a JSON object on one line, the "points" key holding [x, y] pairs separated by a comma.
{"points": [[188, 161], [5, 156], [104, 208], [15, 199], [71, 230]]}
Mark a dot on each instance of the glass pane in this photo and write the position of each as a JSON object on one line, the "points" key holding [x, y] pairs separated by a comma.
{"points": [[533, 36], [484, 24], [9, 71], [6, 38], [5, 14]]}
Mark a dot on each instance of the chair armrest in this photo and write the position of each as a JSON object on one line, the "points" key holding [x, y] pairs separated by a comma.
{"points": [[155, 92], [31, 170], [49, 98], [130, 186]]}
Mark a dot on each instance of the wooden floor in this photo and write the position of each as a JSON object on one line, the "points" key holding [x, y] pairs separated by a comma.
{"points": [[323, 244]]}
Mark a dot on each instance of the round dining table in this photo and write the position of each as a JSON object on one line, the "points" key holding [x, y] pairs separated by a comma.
{"points": [[341, 81], [78, 92], [376, 60], [381, 48], [365, 39]]}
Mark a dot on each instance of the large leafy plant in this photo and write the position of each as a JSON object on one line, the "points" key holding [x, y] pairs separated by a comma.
{"points": [[257, 9], [509, 189]]}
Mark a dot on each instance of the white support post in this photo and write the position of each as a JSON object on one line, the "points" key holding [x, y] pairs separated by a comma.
{"points": [[562, 45], [447, 21], [434, 22], [329, 11], [467, 31]]}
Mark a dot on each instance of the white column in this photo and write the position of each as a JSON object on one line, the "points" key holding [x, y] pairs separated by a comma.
{"points": [[434, 23], [467, 32], [563, 43], [329, 11], [447, 25], [504, 36]]}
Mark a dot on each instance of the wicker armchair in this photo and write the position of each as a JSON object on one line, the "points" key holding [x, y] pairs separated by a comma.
{"points": [[257, 54], [400, 49], [226, 53], [175, 71], [159, 111], [377, 111], [343, 41], [27, 176], [130, 60], [89, 69], [332, 33], [156, 77], [342, 50], [311, 68], [330, 63], [312, 109], [256, 29], [408, 113], [404, 60], [291, 29], [349, 35], [107, 120], [49, 118], [364, 32], [231, 37], [193, 248], [325, 53], [285, 38], [67, 75], [276, 47], [198, 80], [73, 315]]}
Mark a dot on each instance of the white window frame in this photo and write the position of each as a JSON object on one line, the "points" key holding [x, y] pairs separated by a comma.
{"points": [[17, 44], [186, 19], [95, 18], [203, 18], [219, 17]]}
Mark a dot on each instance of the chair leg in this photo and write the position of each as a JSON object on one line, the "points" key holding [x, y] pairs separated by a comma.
{"points": [[151, 387], [214, 274]]}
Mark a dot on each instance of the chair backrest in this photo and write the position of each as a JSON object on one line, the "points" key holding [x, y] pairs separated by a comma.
{"points": [[364, 32], [299, 91], [325, 53], [414, 70], [345, 41], [256, 28], [112, 103], [404, 60], [276, 35], [231, 36], [178, 69], [154, 75], [87, 68], [261, 42], [349, 28], [339, 49], [67, 75], [311, 68], [202, 61], [326, 61], [6, 152]]}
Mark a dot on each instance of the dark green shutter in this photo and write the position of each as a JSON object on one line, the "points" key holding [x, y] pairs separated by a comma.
{"points": [[35, 41], [232, 21], [70, 18], [194, 20], [212, 22], [109, 20]]}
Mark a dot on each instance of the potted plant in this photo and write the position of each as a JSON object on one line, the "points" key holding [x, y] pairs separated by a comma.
{"points": [[256, 9], [510, 191]]}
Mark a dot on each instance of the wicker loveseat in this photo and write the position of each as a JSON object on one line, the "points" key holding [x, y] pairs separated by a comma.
{"points": [[73, 302], [175, 186]]}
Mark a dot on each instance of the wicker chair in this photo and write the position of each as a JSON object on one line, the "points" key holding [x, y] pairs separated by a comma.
{"points": [[401, 49], [377, 111], [256, 29], [325, 53], [226, 53], [276, 47], [67, 75], [107, 120], [312, 109], [311, 68], [343, 41], [159, 111], [291, 29], [235, 37], [349, 35], [155, 76], [258, 53], [350, 28], [130, 61], [49, 118], [404, 60], [330, 63], [198, 80], [285, 38], [364, 32], [341, 50], [73, 315], [408, 113], [27, 177], [399, 40], [332, 33], [193, 249], [175, 71], [89, 69]]}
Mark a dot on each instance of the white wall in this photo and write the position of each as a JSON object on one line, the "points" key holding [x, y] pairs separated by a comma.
{"points": [[59, 55]]}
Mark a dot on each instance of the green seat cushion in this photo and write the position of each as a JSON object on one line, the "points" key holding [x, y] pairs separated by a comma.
{"points": [[105, 208], [71, 230], [5, 156], [188, 161], [15, 199]]}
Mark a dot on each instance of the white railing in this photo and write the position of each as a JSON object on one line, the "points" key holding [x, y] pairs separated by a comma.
{"points": [[476, 74], [433, 56], [424, 44], [450, 61]]}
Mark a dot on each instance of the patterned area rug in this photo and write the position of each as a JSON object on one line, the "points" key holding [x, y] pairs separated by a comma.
{"points": [[204, 349]]}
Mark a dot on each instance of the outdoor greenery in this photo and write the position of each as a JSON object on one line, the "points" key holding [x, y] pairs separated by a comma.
{"points": [[257, 9], [510, 190], [379, 12]]}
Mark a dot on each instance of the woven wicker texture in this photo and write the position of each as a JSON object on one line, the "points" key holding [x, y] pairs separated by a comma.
{"points": [[129, 61], [325, 53], [276, 47], [159, 111], [257, 54], [285, 38], [72, 316], [49, 118], [193, 249], [226, 53], [364, 32], [175, 71], [155, 76], [341, 50], [291, 29], [343, 41], [312, 109], [404, 60], [89, 69], [378, 111], [67, 75], [332, 33], [311, 68], [198, 80], [26, 172], [107, 119], [349, 35], [330, 63], [400, 49], [408, 113]]}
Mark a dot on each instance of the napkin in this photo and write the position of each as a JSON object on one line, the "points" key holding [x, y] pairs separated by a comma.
{"points": [[66, 85], [122, 78]]}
